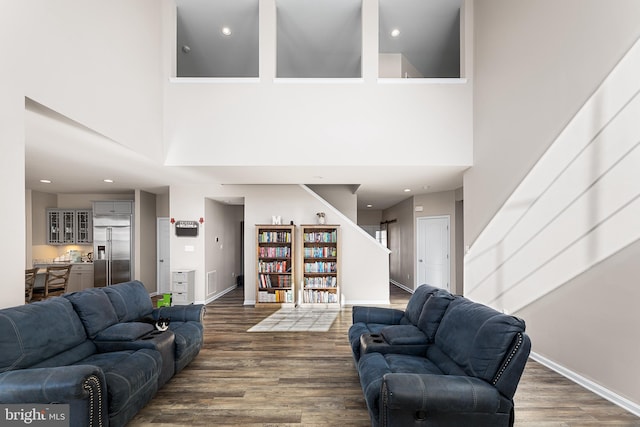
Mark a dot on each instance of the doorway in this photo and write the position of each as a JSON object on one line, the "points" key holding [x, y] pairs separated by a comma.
{"points": [[433, 258], [163, 255]]}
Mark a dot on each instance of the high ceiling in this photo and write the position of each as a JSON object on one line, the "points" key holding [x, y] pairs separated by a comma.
{"points": [[77, 160]]}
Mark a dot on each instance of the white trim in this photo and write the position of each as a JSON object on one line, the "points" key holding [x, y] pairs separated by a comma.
{"points": [[601, 391], [312, 80], [209, 80], [422, 81], [218, 295]]}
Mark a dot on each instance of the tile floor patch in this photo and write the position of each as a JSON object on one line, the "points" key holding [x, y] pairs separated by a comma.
{"points": [[299, 319]]}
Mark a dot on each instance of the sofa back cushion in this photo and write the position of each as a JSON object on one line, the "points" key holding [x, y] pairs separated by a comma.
{"points": [[130, 300], [433, 311], [94, 309], [476, 337], [415, 304], [32, 333]]}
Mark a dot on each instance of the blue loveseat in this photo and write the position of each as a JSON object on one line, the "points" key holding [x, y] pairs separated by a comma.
{"points": [[88, 350], [457, 363]]}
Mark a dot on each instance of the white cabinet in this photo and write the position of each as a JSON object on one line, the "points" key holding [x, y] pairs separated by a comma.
{"points": [[80, 277], [183, 287], [69, 226]]}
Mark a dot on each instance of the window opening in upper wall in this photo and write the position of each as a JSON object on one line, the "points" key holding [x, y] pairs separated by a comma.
{"points": [[419, 38], [217, 38], [319, 39]]}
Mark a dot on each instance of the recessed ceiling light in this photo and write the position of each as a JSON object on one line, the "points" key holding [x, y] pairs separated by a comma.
{"points": [[108, 180], [226, 31], [395, 32], [45, 181], [406, 190], [369, 206]]}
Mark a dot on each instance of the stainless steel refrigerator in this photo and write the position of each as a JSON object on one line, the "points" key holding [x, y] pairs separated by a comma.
{"points": [[112, 240]]}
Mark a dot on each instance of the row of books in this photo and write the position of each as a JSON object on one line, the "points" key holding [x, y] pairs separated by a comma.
{"points": [[273, 281], [277, 296], [321, 252], [320, 267], [274, 237], [274, 252], [321, 282], [321, 236], [310, 296], [274, 267]]}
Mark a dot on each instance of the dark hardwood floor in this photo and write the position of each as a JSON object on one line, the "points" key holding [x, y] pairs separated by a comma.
{"points": [[309, 379]]}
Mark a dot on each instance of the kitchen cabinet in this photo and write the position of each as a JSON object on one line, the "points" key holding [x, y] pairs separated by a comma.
{"points": [[111, 207], [80, 277], [69, 226]]}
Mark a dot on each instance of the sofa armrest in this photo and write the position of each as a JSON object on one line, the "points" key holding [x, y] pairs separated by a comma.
{"points": [[386, 316], [181, 313], [60, 384], [438, 393]]}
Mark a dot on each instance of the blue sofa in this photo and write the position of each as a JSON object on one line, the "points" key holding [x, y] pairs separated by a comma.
{"points": [[86, 349], [459, 364]]}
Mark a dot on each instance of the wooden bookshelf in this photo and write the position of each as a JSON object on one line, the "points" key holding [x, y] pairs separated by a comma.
{"points": [[320, 265], [275, 246]]}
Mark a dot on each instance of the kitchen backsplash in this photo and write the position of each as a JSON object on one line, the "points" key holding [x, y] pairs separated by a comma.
{"points": [[43, 254]]}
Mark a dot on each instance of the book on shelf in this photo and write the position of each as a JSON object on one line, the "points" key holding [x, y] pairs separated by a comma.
{"points": [[320, 252], [316, 297], [274, 237], [321, 282], [320, 236], [274, 281], [283, 296], [320, 267]]}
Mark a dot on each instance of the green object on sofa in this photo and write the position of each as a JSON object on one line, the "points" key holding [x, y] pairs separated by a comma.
{"points": [[165, 301]]}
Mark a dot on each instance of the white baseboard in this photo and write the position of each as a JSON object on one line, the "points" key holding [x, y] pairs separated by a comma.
{"points": [[601, 391], [401, 286], [218, 295]]}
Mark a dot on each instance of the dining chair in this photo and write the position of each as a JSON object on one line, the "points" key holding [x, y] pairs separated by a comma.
{"points": [[55, 282], [29, 281]]}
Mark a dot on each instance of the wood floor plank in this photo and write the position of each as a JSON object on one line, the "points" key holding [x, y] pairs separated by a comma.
{"points": [[293, 379]]}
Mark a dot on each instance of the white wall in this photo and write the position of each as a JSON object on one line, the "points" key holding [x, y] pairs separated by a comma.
{"points": [[341, 197], [98, 63], [551, 203], [12, 251], [431, 120]]}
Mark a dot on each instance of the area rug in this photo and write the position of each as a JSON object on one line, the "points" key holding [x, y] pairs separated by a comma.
{"points": [[298, 319]]}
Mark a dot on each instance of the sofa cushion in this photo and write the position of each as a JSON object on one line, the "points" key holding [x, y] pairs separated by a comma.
{"points": [[432, 313], [32, 333], [403, 335], [130, 300], [128, 331], [416, 302], [94, 309], [476, 337]]}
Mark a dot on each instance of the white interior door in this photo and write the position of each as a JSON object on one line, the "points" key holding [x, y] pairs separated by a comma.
{"points": [[433, 251], [164, 274]]}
